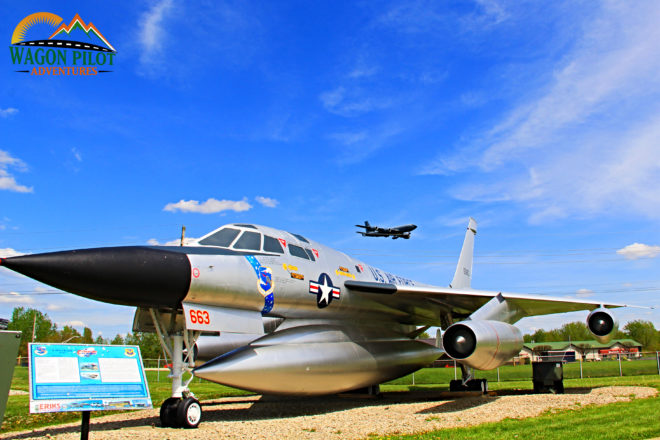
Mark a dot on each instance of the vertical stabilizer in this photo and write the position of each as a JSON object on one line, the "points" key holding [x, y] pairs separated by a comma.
{"points": [[463, 275]]}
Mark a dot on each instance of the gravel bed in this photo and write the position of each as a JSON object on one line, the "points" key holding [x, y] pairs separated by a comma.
{"points": [[263, 417]]}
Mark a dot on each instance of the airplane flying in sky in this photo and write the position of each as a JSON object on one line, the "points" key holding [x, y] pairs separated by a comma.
{"points": [[277, 313], [395, 232]]}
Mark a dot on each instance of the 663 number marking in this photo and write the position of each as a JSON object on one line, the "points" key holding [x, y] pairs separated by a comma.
{"points": [[199, 317]]}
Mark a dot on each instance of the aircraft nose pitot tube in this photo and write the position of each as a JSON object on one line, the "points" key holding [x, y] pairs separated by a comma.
{"points": [[483, 345], [601, 323], [133, 275]]}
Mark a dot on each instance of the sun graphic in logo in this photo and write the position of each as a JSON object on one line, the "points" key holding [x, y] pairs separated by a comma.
{"points": [[32, 19]]}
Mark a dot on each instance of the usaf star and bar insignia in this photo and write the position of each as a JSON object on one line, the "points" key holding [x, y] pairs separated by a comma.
{"points": [[324, 290]]}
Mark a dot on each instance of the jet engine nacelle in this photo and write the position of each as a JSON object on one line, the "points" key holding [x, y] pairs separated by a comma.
{"points": [[210, 347], [483, 345], [318, 359], [601, 323]]}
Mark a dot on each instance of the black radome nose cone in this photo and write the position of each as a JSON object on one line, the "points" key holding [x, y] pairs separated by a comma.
{"points": [[135, 275]]}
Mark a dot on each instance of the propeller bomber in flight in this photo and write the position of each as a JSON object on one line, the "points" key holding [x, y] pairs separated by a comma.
{"points": [[266, 310]]}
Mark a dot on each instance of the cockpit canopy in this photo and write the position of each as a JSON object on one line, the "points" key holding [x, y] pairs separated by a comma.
{"points": [[248, 238]]}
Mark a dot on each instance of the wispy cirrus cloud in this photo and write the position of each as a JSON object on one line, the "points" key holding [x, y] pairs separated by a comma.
{"points": [[7, 180], [151, 33], [585, 142], [636, 251], [210, 206], [350, 102]]}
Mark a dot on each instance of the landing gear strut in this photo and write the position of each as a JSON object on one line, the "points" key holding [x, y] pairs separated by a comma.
{"points": [[468, 383], [182, 409]]}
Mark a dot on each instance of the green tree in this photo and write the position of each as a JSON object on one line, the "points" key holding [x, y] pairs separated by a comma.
{"points": [[70, 334], [539, 335], [22, 320], [99, 340], [643, 332], [87, 336], [148, 343], [575, 331], [118, 340]]}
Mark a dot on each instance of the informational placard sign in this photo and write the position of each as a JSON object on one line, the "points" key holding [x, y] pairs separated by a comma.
{"points": [[73, 377]]}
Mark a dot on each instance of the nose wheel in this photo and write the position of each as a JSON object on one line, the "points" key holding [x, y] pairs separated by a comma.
{"points": [[180, 413]]}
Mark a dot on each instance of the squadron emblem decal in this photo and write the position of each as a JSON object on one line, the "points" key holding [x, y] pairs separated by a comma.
{"points": [[324, 290], [264, 283]]}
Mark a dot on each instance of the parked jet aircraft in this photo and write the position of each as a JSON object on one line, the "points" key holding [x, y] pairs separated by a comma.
{"points": [[274, 312], [396, 232]]}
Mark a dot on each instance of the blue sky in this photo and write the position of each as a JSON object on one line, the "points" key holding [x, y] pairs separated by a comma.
{"points": [[540, 120]]}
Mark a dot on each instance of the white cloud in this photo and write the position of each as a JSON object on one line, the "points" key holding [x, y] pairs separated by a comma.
{"points": [[176, 242], [72, 324], [638, 250], [267, 201], [76, 154], [9, 252], [7, 180], [16, 298], [584, 293], [151, 33], [5, 112], [586, 141], [211, 206]]}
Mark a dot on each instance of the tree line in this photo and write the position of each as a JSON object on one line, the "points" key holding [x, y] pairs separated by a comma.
{"points": [[29, 321], [641, 331]]}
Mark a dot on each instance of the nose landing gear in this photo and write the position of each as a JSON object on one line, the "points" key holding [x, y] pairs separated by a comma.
{"points": [[182, 409]]}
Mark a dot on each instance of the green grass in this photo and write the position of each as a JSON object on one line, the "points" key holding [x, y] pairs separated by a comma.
{"points": [[17, 416], [640, 416], [637, 419], [524, 372]]}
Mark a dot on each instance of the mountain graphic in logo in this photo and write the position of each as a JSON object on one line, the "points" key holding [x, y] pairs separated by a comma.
{"points": [[75, 35]]}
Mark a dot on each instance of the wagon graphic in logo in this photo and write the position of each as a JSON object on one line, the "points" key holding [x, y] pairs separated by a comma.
{"points": [[44, 44]]}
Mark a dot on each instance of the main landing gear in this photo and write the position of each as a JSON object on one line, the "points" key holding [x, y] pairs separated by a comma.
{"points": [[468, 383], [182, 409]]}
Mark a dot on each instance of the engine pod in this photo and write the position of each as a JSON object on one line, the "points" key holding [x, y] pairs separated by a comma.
{"points": [[601, 323], [483, 344]]}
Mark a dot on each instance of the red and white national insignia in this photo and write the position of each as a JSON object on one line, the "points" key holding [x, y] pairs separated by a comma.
{"points": [[324, 290]]}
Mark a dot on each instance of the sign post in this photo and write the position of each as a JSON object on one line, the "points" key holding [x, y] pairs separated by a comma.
{"points": [[86, 377]]}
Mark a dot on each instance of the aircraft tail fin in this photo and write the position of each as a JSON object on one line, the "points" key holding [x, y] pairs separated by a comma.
{"points": [[463, 275], [366, 225]]}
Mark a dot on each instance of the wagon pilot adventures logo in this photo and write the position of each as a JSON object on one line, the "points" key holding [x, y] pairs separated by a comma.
{"points": [[44, 44]]}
